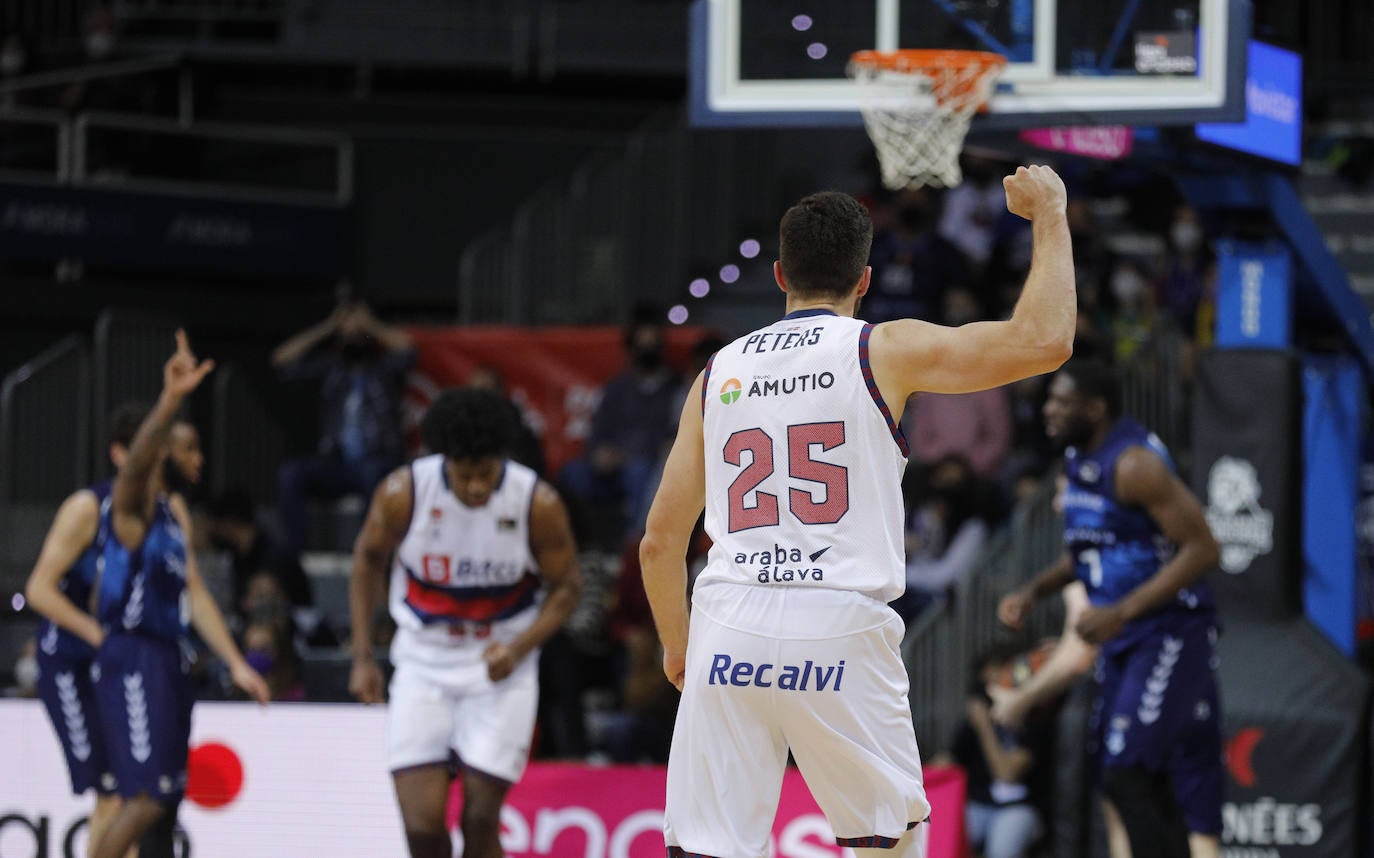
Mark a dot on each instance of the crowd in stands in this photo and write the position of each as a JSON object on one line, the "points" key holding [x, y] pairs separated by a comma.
{"points": [[951, 257]]}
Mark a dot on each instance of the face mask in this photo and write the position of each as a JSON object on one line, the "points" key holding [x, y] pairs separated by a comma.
{"points": [[26, 672], [99, 44], [1187, 236], [648, 359], [356, 349], [11, 62], [1127, 285], [262, 662]]}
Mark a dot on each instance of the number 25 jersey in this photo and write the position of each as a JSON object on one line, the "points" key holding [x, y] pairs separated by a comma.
{"points": [[804, 461]]}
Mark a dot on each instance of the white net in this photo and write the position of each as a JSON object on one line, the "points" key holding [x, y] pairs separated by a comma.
{"points": [[917, 106]]}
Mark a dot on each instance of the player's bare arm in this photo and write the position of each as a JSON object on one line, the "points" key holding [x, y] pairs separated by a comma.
{"points": [[1143, 479], [1005, 763], [300, 343], [677, 505], [1070, 661], [388, 518], [555, 551], [911, 356], [1015, 605], [207, 619], [73, 530], [132, 496]]}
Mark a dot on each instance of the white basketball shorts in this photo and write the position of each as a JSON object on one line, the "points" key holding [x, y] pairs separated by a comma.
{"points": [[839, 703], [434, 714]]}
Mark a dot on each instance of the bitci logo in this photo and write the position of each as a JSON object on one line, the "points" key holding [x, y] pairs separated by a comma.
{"points": [[1238, 753], [729, 391], [214, 775]]}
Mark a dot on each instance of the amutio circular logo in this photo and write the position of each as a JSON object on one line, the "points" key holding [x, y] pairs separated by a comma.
{"points": [[729, 391]]}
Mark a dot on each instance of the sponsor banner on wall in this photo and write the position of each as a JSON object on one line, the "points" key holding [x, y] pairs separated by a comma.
{"points": [[141, 230], [1246, 428], [308, 779], [554, 374], [1296, 785]]}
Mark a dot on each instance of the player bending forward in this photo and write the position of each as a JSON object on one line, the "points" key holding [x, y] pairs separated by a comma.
{"points": [[476, 538], [790, 446]]}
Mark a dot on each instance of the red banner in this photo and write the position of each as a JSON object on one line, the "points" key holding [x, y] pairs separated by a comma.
{"points": [[554, 374], [578, 811]]}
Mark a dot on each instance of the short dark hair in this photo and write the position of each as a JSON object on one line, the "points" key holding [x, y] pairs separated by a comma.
{"points": [[823, 244], [124, 422], [468, 424], [1095, 379]]}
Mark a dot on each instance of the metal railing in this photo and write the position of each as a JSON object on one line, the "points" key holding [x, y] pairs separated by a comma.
{"points": [[621, 229], [941, 644], [34, 144], [1154, 390], [130, 349], [247, 444], [44, 449], [272, 163], [485, 278], [43, 22]]}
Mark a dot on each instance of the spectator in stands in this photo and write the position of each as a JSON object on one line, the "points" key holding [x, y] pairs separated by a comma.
{"points": [[363, 370], [947, 530], [233, 526], [525, 447], [1134, 319], [631, 425], [976, 426], [641, 730], [1183, 287], [268, 649], [1009, 771], [913, 264], [702, 350], [973, 208], [1030, 448]]}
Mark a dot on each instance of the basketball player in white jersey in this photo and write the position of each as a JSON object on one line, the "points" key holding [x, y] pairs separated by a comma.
{"points": [[790, 446], [484, 571]]}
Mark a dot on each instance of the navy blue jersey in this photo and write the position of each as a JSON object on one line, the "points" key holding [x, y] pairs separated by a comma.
{"points": [[1116, 547], [77, 584], [143, 589]]}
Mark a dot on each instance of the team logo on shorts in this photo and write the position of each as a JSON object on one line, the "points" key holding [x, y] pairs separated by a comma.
{"points": [[1116, 738], [729, 391]]}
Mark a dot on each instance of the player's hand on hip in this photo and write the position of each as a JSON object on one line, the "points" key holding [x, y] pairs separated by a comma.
{"points": [[501, 660], [365, 681], [183, 373], [1013, 608], [675, 668], [1035, 191], [1099, 624], [250, 682]]}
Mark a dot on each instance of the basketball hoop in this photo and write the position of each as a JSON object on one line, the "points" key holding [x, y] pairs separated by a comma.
{"points": [[917, 105]]}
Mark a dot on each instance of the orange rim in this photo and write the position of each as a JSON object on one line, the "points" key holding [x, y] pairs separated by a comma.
{"points": [[924, 60], [932, 63]]}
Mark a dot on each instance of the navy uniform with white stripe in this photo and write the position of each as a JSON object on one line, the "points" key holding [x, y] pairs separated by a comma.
{"points": [[64, 674], [1158, 704], [143, 667]]}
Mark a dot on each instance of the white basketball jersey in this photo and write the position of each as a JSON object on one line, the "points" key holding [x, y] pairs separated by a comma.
{"points": [[803, 462], [460, 567]]}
